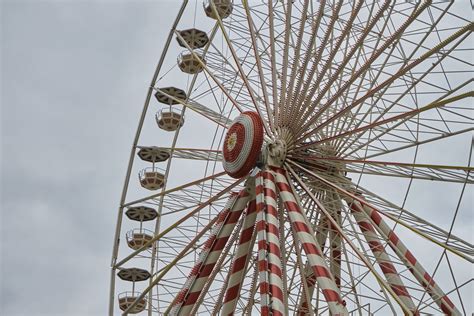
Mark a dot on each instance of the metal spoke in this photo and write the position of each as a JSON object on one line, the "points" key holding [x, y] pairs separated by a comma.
{"points": [[459, 174]]}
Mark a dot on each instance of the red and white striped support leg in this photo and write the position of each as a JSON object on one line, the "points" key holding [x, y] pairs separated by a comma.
{"points": [[413, 265], [262, 256], [386, 265], [221, 232], [305, 235], [240, 262], [269, 255], [321, 236]]}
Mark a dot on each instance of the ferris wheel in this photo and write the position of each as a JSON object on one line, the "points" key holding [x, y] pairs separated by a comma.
{"points": [[303, 157]]}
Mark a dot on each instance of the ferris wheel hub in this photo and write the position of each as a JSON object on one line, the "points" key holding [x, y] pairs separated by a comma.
{"points": [[274, 154]]}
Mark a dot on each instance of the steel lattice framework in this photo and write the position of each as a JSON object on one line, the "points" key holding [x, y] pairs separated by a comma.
{"points": [[366, 212]]}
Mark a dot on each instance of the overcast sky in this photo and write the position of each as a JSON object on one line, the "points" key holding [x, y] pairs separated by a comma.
{"points": [[73, 78], [72, 73]]}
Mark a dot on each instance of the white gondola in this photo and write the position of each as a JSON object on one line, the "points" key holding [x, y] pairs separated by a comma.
{"points": [[126, 299], [151, 178], [137, 238], [169, 120], [189, 63]]}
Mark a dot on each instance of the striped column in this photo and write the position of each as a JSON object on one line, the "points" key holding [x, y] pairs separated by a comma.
{"points": [[412, 263], [269, 255], [382, 258], [305, 235], [240, 262], [321, 236], [262, 263], [221, 232]]}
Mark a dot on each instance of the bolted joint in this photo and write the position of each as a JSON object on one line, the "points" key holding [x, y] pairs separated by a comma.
{"points": [[273, 154]]}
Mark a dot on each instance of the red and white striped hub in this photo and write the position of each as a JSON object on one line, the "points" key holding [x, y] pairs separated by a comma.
{"points": [[242, 144]]}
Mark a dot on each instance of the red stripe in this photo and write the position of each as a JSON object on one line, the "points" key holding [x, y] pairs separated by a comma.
{"points": [[273, 289], [264, 287], [191, 298], [355, 208], [376, 246], [301, 227], [292, 206], [274, 269], [387, 267], [251, 208], [261, 206], [366, 226], [445, 308], [232, 293], [276, 292], [268, 175], [269, 192], [310, 248], [283, 187], [448, 301], [409, 256], [273, 229], [260, 225], [246, 235], [400, 290], [219, 244], [375, 217], [271, 210], [206, 270], [239, 264], [331, 296], [233, 217], [321, 272], [393, 238], [274, 249], [262, 244], [429, 279]]}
